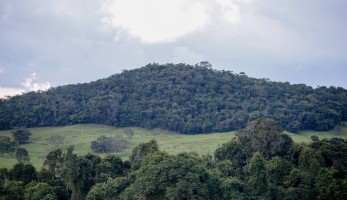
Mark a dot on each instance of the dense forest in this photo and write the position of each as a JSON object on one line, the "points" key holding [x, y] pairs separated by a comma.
{"points": [[182, 98], [260, 163]]}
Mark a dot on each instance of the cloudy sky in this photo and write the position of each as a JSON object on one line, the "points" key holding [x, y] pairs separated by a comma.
{"points": [[50, 43]]}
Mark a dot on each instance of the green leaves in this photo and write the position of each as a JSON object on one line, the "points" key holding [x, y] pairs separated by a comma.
{"points": [[21, 135], [105, 144], [141, 151], [22, 155], [39, 191], [257, 182], [263, 135], [180, 98], [171, 177], [23, 172], [7, 146]]}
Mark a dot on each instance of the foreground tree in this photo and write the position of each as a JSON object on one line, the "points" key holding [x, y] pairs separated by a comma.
{"points": [[54, 162], [36, 191], [141, 151], [257, 181], [13, 190], [265, 136], [7, 146], [162, 176], [25, 173], [110, 189], [77, 174], [232, 151], [111, 166], [22, 155]]}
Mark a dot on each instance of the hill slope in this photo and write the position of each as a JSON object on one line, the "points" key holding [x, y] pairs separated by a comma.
{"points": [[173, 143], [183, 98], [81, 136]]}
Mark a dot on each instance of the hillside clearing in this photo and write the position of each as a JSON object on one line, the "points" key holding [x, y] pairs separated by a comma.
{"points": [[81, 136]]}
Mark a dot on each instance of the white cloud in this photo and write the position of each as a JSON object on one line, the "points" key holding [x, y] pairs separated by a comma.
{"points": [[156, 21], [6, 91], [1, 70], [28, 85], [247, 1], [164, 21], [230, 11]]}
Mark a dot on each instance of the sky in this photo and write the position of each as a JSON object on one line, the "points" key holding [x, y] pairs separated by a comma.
{"points": [[46, 44]]}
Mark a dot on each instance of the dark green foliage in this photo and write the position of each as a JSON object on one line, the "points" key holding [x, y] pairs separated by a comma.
{"points": [[324, 190], [172, 177], [22, 155], [265, 136], [314, 138], [21, 172], [242, 169], [310, 161], [226, 168], [300, 185], [59, 189], [111, 167], [21, 135], [141, 151], [78, 176], [232, 151], [332, 153], [232, 188], [54, 162], [277, 169], [4, 139], [183, 98], [44, 175], [105, 144], [257, 180], [39, 191], [3, 176], [7, 146], [13, 190], [110, 189]]}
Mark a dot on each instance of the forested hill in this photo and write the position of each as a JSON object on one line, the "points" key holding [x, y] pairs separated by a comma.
{"points": [[183, 98]]}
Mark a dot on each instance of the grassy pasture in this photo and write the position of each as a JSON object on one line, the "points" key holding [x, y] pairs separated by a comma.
{"points": [[81, 135]]}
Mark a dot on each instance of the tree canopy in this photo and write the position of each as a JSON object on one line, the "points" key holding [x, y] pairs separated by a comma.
{"points": [[21, 135], [105, 144], [182, 98]]}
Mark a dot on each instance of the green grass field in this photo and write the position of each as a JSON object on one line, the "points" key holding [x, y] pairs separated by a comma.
{"points": [[81, 136]]}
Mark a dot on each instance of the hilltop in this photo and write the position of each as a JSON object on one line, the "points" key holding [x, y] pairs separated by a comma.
{"points": [[182, 98]]}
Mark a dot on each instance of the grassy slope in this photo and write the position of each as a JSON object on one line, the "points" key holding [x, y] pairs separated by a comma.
{"points": [[82, 135]]}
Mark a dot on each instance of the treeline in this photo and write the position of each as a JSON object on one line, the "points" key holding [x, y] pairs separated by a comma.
{"points": [[261, 163], [182, 98]]}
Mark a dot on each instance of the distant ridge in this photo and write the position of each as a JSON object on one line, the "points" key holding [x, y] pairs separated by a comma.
{"points": [[178, 97]]}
